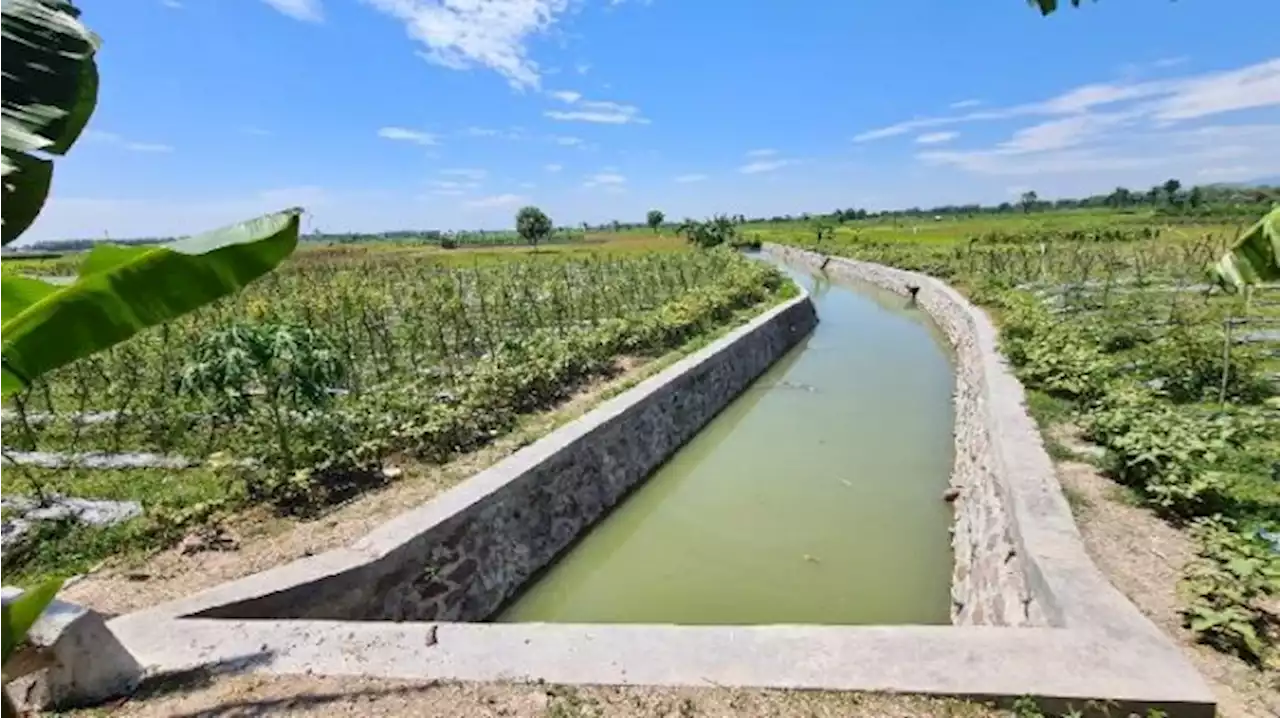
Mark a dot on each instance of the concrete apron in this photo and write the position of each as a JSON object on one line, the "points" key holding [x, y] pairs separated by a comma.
{"points": [[1033, 616]]}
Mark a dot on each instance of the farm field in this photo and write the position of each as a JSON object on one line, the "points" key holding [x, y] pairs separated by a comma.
{"points": [[1134, 366], [338, 372]]}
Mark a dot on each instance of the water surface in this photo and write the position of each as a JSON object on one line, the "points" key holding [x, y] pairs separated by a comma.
{"points": [[815, 497]]}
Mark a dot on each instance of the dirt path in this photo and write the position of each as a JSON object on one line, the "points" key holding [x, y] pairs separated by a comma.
{"points": [[365, 698], [263, 541], [1144, 557]]}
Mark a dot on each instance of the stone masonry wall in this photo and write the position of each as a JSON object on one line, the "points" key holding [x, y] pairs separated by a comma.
{"points": [[462, 556], [989, 583]]}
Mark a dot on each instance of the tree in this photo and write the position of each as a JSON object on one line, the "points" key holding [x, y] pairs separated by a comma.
{"points": [[1028, 200], [533, 225], [1171, 188], [1120, 198], [822, 229], [1047, 7], [1195, 198], [654, 219]]}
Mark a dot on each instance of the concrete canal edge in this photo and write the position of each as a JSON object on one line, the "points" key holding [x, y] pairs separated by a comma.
{"points": [[1033, 616]]}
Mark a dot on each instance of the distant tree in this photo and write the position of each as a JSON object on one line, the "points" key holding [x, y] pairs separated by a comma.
{"points": [[1154, 194], [1195, 198], [654, 219], [1171, 188], [1120, 197], [822, 229], [533, 225], [616, 225], [1028, 200]]}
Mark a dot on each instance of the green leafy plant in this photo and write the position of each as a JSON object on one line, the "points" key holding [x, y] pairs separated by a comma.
{"points": [[50, 89], [1253, 258], [1233, 574]]}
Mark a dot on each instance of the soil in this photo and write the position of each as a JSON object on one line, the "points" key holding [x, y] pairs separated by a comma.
{"points": [[250, 695]]}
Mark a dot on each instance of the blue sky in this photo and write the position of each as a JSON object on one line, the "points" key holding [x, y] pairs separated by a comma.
{"points": [[400, 114]]}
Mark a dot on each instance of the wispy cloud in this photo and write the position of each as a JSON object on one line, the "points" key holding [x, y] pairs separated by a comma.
{"points": [[148, 147], [454, 185], [462, 34], [112, 138], [474, 175], [964, 104], [752, 168], [256, 131], [171, 4], [933, 138], [496, 201], [600, 111], [304, 10], [565, 141], [404, 134], [553, 167], [1158, 101], [761, 153], [604, 178], [582, 68], [686, 179]]}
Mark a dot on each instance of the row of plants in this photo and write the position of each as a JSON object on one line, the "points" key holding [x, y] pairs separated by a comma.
{"points": [[1083, 234], [1155, 405], [269, 401]]}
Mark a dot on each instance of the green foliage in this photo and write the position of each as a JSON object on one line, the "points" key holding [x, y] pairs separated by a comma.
{"points": [[1254, 258], [123, 290], [533, 225], [1233, 575], [20, 614], [50, 90], [654, 219], [710, 233]]}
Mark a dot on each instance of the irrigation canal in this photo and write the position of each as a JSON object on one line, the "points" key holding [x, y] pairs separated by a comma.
{"points": [[815, 497]]}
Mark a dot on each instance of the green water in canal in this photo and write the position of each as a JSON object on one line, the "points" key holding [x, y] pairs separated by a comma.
{"points": [[815, 497]]}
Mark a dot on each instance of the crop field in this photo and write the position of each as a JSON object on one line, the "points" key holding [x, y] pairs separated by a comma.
{"points": [[294, 393], [1119, 339]]}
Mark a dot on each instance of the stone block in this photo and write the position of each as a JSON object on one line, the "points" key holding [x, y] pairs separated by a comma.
{"points": [[73, 658]]}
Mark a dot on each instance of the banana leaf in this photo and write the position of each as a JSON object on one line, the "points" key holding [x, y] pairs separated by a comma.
{"points": [[18, 616], [122, 290], [1254, 258], [50, 89]]}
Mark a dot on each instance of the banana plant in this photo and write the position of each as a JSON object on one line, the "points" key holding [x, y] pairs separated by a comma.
{"points": [[50, 89], [1253, 258]]}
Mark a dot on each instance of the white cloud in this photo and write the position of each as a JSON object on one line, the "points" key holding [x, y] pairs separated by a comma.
{"points": [[472, 174], [686, 179], [403, 134], [304, 10], [761, 153], [1160, 101], [1233, 172], [600, 111], [171, 4], [933, 138], [553, 167], [256, 131], [148, 147], [445, 192], [604, 178], [112, 138], [462, 34], [964, 104], [582, 68], [454, 185], [567, 141], [498, 200], [752, 168], [1245, 88]]}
